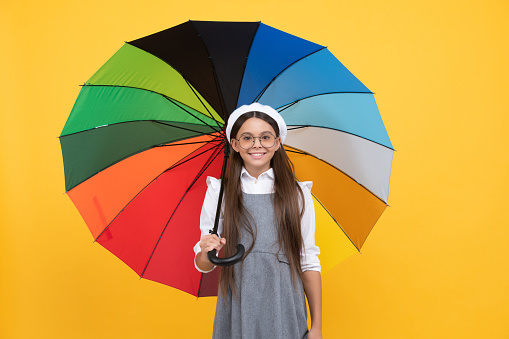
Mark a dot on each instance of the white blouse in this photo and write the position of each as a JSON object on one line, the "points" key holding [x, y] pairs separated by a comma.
{"points": [[264, 184]]}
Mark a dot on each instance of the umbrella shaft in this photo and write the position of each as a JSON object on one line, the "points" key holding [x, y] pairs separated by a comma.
{"points": [[220, 199]]}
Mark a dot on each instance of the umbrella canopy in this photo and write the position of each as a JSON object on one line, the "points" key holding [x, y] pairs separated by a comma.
{"points": [[148, 128]]}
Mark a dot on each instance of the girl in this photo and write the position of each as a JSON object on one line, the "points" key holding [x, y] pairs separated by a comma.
{"points": [[272, 214]]}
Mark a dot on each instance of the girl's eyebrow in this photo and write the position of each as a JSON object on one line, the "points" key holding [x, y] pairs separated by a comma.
{"points": [[260, 133]]}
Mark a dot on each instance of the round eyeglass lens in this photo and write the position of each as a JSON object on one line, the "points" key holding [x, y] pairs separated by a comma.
{"points": [[266, 140]]}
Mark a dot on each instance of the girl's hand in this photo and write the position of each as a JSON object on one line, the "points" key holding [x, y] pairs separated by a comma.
{"points": [[210, 242], [315, 334], [207, 244]]}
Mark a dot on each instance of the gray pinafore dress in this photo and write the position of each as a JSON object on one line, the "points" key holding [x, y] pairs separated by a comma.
{"points": [[267, 305]]}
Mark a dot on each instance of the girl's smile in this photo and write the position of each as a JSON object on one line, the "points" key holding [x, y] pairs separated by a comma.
{"points": [[257, 155]]}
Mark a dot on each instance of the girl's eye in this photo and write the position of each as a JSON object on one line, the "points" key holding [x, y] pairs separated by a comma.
{"points": [[265, 137], [247, 138]]}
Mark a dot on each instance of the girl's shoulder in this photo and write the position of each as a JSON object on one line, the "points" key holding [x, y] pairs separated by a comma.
{"points": [[214, 184], [305, 185]]}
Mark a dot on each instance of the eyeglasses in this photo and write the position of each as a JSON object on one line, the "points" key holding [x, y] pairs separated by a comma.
{"points": [[247, 141]]}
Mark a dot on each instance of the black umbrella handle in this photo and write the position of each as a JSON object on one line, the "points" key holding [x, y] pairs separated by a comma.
{"points": [[227, 261]]}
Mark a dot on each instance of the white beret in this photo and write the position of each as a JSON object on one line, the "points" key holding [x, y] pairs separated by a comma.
{"points": [[257, 107]]}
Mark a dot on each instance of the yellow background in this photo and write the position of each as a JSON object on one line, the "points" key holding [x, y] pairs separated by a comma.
{"points": [[435, 266]]}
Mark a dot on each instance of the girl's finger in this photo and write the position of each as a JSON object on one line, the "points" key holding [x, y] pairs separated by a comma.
{"points": [[221, 243], [210, 239]]}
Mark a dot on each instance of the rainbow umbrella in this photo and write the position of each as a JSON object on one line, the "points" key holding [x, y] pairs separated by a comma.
{"points": [[147, 129]]}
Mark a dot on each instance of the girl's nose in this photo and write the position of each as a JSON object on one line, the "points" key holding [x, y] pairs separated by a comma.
{"points": [[257, 142]]}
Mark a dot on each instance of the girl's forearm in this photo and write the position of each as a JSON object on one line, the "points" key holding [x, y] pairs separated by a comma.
{"points": [[203, 262], [312, 282]]}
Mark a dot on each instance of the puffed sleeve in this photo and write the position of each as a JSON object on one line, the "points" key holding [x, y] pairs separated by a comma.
{"points": [[309, 258], [208, 213]]}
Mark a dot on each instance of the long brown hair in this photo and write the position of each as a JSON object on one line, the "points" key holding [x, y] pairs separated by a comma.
{"points": [[288, 206]]}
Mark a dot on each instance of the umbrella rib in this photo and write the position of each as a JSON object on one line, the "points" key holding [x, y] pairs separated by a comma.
{"points": [[191, 114], [199, 99], [283, 107], [151, 181], [297, 127], [199, 286], [164, 61], [134, 121], [215, 139], [180, 162], [146, 90], [184, 143], [339, 130], [337, 223], [245, 64], [299, 151], [216, 81], [162, 122], [284, 69], [204, 168], [290, 104]]}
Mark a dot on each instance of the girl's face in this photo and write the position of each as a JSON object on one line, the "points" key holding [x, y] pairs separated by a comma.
{"points": [[257, 158]]}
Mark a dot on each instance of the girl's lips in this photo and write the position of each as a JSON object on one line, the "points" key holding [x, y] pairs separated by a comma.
{"points": [[257, 155]]}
